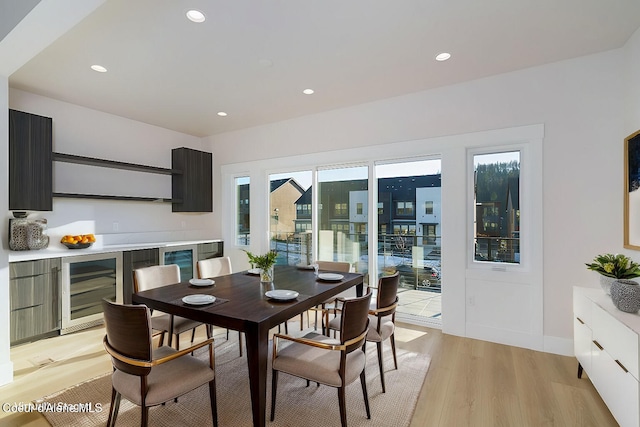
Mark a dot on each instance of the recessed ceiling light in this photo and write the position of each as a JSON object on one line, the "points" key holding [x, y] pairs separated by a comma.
{"points": [[443, 56], [308, 91], [196, 16], [222, 114], [99, 68]]}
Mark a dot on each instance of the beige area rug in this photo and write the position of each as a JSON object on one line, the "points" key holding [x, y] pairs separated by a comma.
{"points": [[297, 405]]}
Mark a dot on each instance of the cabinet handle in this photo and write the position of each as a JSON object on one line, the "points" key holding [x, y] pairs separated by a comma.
{"points": [[622, 366], [598, 345], [580, 320]]}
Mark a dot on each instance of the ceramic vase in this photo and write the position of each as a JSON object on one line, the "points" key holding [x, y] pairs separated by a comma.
{"points": [[606, 282], [625, 295]]}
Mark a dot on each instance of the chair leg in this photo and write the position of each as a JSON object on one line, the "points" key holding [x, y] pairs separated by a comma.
{"points": [[286, 327], [214, 402], [240, 342], [363, 381], [379, 345], [115, 407], [144, 421], [193, 335], [343, 407], [227, 335], [178, 342], [302, 320], [393, 350], [274, 386]]}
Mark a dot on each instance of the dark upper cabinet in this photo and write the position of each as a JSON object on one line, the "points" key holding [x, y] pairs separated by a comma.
{"points": [[30, 162], [194, 185]]}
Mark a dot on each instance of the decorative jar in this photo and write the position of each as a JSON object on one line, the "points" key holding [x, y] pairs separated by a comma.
{"points": [[625, 295]]}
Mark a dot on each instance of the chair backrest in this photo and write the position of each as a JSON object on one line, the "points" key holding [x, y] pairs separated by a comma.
{"points": [[387, 293], [342, 267], [355, 319], [214, 267], [155, 276], [128, 333]]}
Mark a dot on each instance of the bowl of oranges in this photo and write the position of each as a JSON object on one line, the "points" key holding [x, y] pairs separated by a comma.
{"points": [[79, 241]]}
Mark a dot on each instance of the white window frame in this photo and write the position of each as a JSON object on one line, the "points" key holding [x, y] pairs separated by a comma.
{"points": [[525, 204]]}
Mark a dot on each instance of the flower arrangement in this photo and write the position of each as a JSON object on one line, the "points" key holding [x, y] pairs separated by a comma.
{"points": [[263, 262], [615, 265]]}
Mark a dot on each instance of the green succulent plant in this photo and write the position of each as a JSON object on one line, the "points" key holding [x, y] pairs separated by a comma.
{"points": [[615, 265]]}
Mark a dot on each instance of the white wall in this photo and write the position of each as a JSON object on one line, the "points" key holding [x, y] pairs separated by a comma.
{"points": [[6, 367], [86, 132], [580, 103]]}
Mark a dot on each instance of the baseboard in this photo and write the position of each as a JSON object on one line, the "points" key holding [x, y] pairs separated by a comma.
{"points": [[557, 345]]}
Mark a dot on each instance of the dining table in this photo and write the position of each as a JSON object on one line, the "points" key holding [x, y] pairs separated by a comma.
{"points": [[241, 304]]}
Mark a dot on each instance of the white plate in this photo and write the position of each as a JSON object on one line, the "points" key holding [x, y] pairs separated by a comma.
{"points": [[198, 299], [254, 271], [201, 282], [282, 294], [330, 276], [305, 266]]}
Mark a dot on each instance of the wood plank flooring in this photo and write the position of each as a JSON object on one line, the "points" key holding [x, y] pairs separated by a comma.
{"points": [[470, 382]]}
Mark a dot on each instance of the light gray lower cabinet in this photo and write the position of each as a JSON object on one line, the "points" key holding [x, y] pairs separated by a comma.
{"points": [[35, 299]]}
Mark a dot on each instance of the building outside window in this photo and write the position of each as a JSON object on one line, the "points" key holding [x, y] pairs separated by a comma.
{"points": [[428, 207], [243, 231]]}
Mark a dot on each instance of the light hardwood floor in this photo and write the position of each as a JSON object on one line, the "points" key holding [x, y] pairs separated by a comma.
{"points": [[469, 383]]}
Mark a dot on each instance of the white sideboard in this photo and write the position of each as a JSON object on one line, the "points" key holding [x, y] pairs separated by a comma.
{"points": [[606, 344]]}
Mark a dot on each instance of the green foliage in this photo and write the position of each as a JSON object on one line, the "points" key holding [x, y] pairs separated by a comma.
{"points": [[262, 261], [492, 180], [617, 266]]}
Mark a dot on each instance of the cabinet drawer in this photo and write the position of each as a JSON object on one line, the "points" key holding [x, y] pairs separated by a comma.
{"points": [[582, 344], [619, 389], [617, 339], [582, 306]]}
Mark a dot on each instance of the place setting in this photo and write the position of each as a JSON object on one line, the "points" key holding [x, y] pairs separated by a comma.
{"points": [[201, 283]]}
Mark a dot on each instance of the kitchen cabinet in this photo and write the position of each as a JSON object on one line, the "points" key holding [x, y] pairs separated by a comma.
{"points": [[607, 346], [210, 250], [30, 162], [34, 293], [194, 186], [132, 260]]}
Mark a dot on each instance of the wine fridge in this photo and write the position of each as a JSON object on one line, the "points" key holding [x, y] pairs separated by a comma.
{"points": [[86, 280]]}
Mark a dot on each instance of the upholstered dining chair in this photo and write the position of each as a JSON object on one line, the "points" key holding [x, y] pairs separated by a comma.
{"points": [[148, 377], [155, 277], [334, 266], [318, 358], [382, 316], [214, 267]]}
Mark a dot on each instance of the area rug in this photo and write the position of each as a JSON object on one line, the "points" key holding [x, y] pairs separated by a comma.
{"points": [[297, 404]]}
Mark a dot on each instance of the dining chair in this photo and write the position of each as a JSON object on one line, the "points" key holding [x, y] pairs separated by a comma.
{"points": [[214, 267], [382, 316], [318, 358], [162, 275], [335, 266], [149, 377]]}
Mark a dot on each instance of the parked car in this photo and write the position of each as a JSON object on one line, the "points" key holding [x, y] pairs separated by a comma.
{"points": [[428, 277]]}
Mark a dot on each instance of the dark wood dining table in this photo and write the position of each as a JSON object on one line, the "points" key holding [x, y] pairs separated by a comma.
{"points": [[241, 305]]}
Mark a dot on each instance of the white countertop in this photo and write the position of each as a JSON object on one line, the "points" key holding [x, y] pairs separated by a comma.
{"points": [[56, 249]]}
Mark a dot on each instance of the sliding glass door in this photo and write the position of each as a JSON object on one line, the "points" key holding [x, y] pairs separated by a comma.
{"points": [[409, 224]]}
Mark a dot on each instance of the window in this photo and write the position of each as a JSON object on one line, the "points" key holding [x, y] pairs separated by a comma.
{"points": [[243, 230], [359, 208], [340, 209], [339, 238], [428, 208], [290, 217], [380, 208], [404, 208], [497, 207]]}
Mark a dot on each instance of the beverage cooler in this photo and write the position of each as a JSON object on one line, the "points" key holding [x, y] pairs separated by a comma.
{"points": [[185, 256], [86, 280]]}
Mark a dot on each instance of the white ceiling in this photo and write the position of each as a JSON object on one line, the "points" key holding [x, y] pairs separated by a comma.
{"points": [[253, 58]]}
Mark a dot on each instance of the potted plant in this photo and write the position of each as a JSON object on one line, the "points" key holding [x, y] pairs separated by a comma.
{"points": [[265, 263], [613, 267]]}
